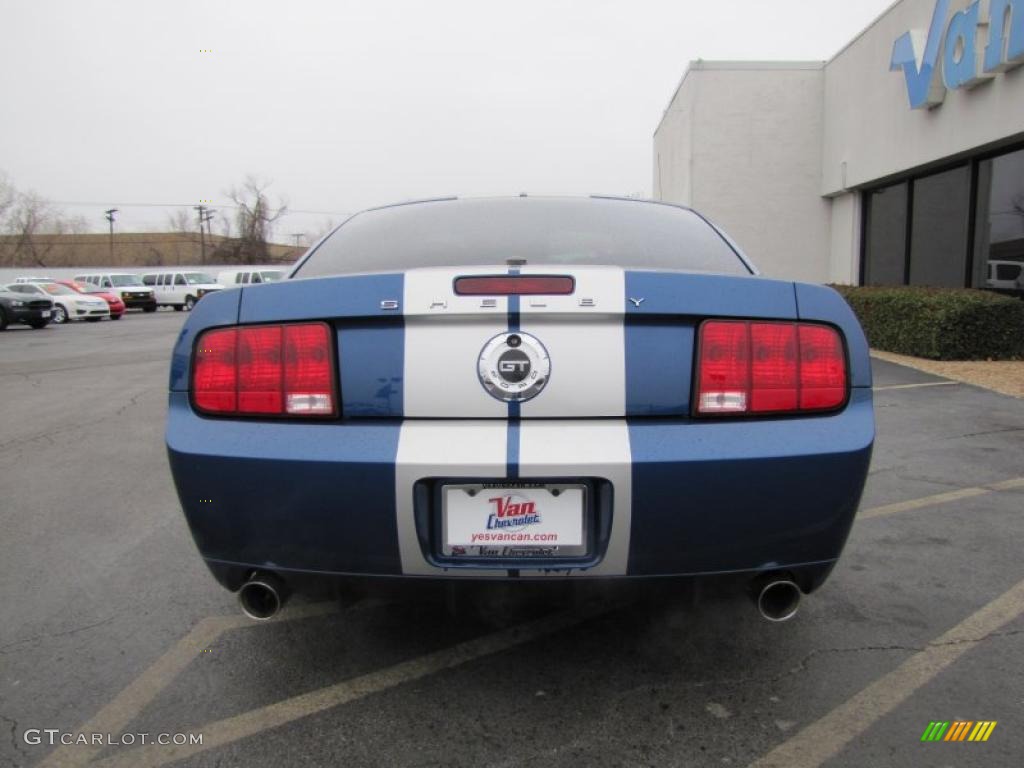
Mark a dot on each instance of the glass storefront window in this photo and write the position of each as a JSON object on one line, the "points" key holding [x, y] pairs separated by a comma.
{"points": [[938, 235], [885, 241], [999, 228], [932, 217]]}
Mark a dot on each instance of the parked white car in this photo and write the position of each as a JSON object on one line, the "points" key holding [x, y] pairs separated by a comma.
{"points": [[180, 289], [249, 276], [128, 286], [67, 304]]}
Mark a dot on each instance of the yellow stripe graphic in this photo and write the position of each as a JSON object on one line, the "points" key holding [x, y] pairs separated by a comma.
{"points": [[978, 729], [988, 731]]}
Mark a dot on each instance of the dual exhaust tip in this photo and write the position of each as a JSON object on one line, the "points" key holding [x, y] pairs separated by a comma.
{"points": [[777, 598], [264, 594]]}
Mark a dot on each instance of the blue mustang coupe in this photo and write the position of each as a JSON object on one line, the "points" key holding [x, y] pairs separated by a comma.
{"points": [[521, 388]]}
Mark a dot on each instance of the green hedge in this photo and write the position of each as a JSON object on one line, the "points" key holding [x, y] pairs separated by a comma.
{"points": [[940, 323]]}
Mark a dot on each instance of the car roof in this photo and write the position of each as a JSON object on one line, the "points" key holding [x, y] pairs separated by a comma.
{"points": [[523, 196]]}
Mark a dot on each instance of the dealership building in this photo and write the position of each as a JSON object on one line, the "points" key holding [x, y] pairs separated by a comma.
{"points": [[899, 161]]}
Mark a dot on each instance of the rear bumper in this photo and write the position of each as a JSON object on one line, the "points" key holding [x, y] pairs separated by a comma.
{"points": [[687, 499]]}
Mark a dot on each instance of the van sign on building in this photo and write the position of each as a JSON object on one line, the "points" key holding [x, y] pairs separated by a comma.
{"points": [[968, 58], [821, 173]]}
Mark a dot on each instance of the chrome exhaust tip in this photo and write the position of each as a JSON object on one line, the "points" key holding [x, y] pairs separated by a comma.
{"points": [[262, 596], [779, 600]]}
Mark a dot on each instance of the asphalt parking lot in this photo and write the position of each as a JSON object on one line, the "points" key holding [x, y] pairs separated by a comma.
{"points": [[112, 625]]}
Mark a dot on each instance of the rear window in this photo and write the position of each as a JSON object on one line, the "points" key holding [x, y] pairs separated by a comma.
{"points": [[454, 233]]}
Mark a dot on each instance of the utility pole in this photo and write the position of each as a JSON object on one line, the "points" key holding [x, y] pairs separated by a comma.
{"points": [[109, 215], [208, 217], [201, 209], [297, 236]]}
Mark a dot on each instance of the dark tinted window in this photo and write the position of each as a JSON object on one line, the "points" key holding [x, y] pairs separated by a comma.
{"points": [[999, 229], [938, 240], [885, 244], [540, 231], [1007, 271]]}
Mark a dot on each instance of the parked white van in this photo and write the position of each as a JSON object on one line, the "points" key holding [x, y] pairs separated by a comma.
{"points": [[128, 286], [1005, 275], [249, 276], [180, 289]]}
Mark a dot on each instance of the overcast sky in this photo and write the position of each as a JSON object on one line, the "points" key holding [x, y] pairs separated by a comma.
{"points": [[345, 105]]}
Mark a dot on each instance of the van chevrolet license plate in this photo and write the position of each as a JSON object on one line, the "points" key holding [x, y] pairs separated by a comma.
{"points": [[514, 520]]}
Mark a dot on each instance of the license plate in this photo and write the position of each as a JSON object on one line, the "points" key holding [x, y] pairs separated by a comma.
{"points": [[46, 313], [495, 521]]}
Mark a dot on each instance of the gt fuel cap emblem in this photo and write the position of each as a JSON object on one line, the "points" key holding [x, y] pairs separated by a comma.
{"points": [[514, 366]]}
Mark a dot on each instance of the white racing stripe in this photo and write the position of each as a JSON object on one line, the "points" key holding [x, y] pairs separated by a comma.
{"points": [[585, 338], [585, 449], [444, 334], [469, 449]]}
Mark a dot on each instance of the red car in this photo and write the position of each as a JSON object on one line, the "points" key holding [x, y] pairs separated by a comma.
{"points": [[116, 305]]}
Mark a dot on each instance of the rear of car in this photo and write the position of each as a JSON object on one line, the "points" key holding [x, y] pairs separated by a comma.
{"points": [[522, 389]]}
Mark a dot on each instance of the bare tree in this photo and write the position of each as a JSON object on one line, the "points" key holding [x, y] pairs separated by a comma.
{"points": [[224, 225], [180, 221], [30, 220], [255, 219], [7, 196]]}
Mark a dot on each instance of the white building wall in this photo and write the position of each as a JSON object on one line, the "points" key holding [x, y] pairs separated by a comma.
{"points": [[673, 144], [844, 240], [741, 143]]}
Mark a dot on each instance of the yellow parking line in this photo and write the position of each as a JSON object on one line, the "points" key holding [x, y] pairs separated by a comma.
{"points": [[940, 498], [927, 501], [141, 691], [1008, 485], [918, 386], [226, 731], [825, 738]]}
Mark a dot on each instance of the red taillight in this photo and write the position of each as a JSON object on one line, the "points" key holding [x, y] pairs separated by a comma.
{"points": [[746, 367], [260, 370], [724, 368], [308, 372], [822, 368], [515, 285], [274, 370], [215, 373]]}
